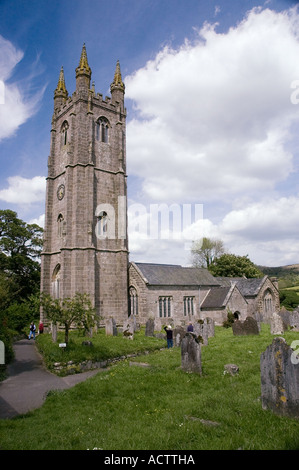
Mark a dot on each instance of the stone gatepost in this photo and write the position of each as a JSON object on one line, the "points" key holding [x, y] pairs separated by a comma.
{"points": [[191, 354], [280, 379]]}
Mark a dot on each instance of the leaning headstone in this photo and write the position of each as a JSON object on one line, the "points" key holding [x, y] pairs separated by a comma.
{"points": [[191, 354], [150, 327], [280, 379], [285, 315], [276, 324], [247, 327], [294, 320]]}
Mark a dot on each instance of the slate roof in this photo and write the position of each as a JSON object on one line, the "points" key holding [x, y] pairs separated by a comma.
{"points": [[216, 297], [175, 275], [247, 287]]}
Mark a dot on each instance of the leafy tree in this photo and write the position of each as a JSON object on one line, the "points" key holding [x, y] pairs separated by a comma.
{"points": [[289, 299], [77, 311], [205, 250], [229, 265], [20, 248]]}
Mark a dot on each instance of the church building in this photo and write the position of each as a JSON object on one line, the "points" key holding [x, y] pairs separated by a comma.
{"points": [[85, 238]]}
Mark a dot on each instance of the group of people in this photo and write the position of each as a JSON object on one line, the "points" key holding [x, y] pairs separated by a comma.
{"points": [[33, 329], [169, 333], [168, 329]]}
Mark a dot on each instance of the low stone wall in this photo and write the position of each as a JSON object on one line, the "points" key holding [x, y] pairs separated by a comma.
{"points": [[70, 367]]}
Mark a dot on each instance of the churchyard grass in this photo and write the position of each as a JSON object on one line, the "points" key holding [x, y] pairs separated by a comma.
{"points": [[103, 347], [160, 407]]}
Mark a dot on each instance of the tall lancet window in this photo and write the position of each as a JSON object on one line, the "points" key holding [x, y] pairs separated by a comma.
{"points": [[102, 130], [64, 132], [56, 282], [102, 225], [60, 221], [133, 301]]}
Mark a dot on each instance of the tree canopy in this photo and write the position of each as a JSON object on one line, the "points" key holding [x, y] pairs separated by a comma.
{"points": [[77, 311], [205, 250], [20, 249], [230, 265]]}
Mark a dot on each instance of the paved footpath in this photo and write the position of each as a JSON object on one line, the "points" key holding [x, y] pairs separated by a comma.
{"points": [[28, 382]]}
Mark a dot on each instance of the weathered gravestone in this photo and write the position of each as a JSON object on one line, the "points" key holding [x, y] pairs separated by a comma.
{"points": [[129, 328], [178, 333], [191, 354], [276, 324], [110, 327], [247, 327], [210, 326], [294, 320], [280, 379], [201, 330], [150, 327]]}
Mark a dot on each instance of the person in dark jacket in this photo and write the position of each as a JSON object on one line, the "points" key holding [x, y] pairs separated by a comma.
{"points": [[190, 327], [169, 336]]}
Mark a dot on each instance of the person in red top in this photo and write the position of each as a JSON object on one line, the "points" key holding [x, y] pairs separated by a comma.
{"points": [[40, 328]]}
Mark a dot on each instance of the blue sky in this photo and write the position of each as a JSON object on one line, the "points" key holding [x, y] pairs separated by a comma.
{"points": [[213, 113]]}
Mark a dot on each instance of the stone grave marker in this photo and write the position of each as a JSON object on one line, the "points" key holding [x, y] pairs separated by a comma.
{"points": [[276, 324], [280, 379], [110, 327], [150, 327], [247, 327], [178, 334], [191, 354], [210, 326], [294, 320], [201, 329]]}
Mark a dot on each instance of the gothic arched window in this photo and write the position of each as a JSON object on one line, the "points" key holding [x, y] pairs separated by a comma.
{"points": [[102, 130], [64, 129], [60, 221], [56, 282], [133, 301], [102, 227], [268, 301]]}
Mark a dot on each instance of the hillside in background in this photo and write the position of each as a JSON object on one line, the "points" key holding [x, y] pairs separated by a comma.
{"points": [[281, 271]]}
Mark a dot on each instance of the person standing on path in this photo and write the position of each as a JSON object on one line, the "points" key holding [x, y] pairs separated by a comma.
{"points": [[169, 336], [32, 330]]}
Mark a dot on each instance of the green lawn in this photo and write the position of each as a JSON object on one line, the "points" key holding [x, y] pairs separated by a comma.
{"points": [[161, 407]]}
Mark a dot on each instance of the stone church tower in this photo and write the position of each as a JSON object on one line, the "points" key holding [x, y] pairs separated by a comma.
{"points": [[85, 241]]}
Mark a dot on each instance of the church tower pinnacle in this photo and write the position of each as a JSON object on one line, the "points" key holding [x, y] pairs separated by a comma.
{"points": [[83, 72], [60, 93], [117, 88]]}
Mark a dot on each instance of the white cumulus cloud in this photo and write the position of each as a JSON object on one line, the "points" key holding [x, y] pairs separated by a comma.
{"points": [[24, 190], [17, 104], [213, 117]]}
